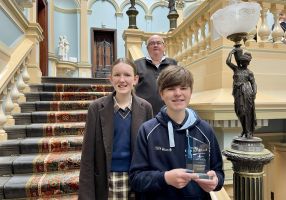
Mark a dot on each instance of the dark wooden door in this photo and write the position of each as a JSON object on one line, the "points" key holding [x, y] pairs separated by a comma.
{"points": [[103, 46], [42, 19]]}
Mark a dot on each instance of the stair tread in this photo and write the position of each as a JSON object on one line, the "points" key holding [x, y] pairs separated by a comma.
{"points": [[36, 125], [63, 96], [6, 163], [48, 162], [76, 87], [74, 84], [59, 111], [31, 139], [66, 93], [52, 144], [49, 102], [78, 80], [43, 144], [45, 130], [50, 116], [39, 185]]}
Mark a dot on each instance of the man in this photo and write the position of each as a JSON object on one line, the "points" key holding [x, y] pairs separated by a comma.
{"points": [[149, 68], [282, 21], [172, 148]]}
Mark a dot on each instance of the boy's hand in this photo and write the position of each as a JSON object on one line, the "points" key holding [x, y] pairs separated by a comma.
{"points": [[208, 184], [179, 178]]}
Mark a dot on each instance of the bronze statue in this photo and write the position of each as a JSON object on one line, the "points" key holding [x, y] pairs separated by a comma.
{"points": [[244, 91], [171, 5], [132, 2]]}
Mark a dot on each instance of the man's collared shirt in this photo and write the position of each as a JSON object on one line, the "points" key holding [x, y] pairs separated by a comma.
{"points": [[150, 59]]}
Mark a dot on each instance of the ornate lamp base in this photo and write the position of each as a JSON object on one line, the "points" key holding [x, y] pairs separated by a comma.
{"points": [[173, 16], [248, 156], [132, 13]]}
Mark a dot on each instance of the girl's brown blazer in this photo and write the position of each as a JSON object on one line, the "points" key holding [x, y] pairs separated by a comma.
{"points": [[98, 142]]}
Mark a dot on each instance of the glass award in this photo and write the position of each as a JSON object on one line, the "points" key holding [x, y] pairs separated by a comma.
{"points": [[198, 157]]}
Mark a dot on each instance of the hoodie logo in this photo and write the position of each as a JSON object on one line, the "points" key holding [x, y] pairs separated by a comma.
{"points": [[157, 148]]}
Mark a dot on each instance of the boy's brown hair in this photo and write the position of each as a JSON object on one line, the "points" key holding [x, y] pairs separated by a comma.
{"points": [[175, 75]]}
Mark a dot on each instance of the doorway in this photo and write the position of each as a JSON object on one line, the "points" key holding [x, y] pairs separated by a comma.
{"points": [[42, 19], [103, 51]]}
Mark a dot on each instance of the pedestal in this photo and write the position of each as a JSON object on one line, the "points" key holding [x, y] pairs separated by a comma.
{"points": [[132, 13], [248, 157]]}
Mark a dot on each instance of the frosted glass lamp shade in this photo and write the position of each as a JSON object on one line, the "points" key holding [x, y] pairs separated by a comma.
{"points": [[236, 18]]}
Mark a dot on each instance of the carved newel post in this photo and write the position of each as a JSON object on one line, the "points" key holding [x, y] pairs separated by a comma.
{"points": [[247, 153], [173, 14], [132, 13]]}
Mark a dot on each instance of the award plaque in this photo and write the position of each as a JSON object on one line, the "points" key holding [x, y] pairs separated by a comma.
{"points": [[198, 157]]}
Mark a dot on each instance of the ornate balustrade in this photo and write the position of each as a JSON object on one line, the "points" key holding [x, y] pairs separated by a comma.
{"points": [[193, 36], [17, 62], [13, 82]]}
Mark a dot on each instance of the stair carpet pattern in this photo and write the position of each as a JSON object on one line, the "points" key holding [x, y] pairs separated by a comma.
{"points": [[41, 158]]}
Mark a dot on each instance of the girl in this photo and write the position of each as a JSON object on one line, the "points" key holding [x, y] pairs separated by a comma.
{"points": [[111, 128]]}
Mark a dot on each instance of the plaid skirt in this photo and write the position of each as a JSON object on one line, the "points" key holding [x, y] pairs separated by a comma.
{"points": [[119, 187]]}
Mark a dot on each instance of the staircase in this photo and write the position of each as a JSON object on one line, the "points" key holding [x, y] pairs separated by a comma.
{"points": [[41, 158]]}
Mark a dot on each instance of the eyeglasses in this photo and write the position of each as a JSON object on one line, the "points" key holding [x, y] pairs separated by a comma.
{"points": [[153, 43]]}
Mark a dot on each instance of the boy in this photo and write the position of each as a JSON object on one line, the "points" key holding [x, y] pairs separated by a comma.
{"points": [[158, 168]]}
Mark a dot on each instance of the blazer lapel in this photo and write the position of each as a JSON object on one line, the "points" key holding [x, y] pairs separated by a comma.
{"points": [[137, 119], [106, 118]]}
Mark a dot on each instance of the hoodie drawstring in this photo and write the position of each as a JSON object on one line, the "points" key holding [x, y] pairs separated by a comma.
{"points": [[171, 134]]}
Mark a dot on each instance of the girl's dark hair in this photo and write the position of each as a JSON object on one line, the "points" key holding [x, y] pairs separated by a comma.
{"points": [[174, 75], [126, 61]]}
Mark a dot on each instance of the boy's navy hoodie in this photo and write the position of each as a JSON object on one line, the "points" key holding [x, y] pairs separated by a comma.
{"points": [[160, 147]]}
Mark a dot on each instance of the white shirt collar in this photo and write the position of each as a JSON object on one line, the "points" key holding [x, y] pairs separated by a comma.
{"points": [[148, 57]]}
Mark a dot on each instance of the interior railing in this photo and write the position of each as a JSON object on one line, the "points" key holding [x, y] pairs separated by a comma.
{"points": [[193, 39], [14, 76]]}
